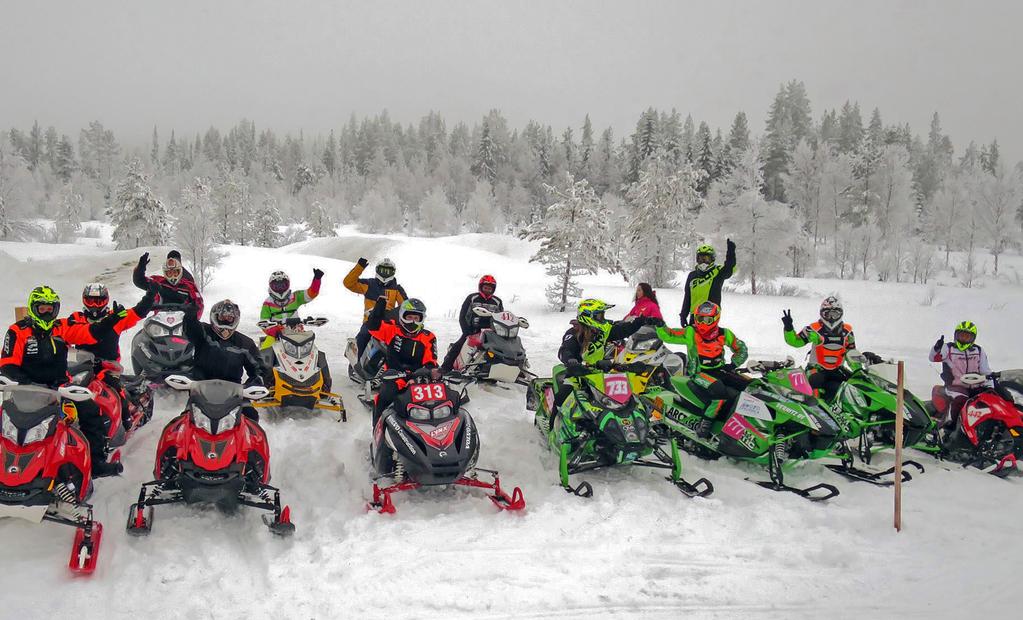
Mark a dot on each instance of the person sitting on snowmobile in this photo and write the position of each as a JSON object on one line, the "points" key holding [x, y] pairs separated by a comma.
{"points": [[704, 283], [221, 351], [96, 307], [35, 351], [408, 347], [172, 287], [383, 285], [705, 342], [963, 356], [646, 303], [585, 345], [283, 303], [470, 323], [832, 340]]}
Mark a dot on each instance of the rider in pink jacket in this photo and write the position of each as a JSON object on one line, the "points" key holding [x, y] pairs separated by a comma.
{"points": [[963, 356], [646, 303]]}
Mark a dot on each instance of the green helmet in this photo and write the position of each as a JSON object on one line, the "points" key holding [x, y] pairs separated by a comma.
{"points": [[966, 335], [591, 312], [705, 250], [43, 307]]}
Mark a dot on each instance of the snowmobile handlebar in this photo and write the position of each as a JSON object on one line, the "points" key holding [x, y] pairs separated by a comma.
{"points": [[292, 322], [181, 382], [76, 393], [171, 307], [769, 365], [484, 313]]}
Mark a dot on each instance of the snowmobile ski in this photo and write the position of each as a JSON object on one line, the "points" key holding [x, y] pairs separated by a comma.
{"points": [[809, 493], [884, 478], [700, 488], [85, 549]]}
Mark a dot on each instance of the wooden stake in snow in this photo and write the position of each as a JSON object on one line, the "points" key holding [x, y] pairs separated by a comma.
{"points": [[20, 312], [899, 408]]}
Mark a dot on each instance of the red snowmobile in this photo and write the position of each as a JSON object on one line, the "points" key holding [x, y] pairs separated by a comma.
{"points": [[989, 432], [425, 438], [47, 468], [119, 424], [213, 453]]}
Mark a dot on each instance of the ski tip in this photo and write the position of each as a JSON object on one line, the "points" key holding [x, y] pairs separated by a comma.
{"points": [[85, 550]]}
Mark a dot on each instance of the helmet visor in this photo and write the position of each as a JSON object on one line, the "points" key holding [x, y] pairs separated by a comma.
{"points": [[95, 302], [44, 310], [385, 271], [412, 318], [172, 273], [705, 259], [707, 319], [596, 316], [965, 337], [832, 314], [280, 286], [487, 289]]}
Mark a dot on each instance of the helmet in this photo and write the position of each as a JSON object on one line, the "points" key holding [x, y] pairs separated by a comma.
{"points": [[172, 270], [224, 317], [43, 307], [706, 317], [705, 256], [591, 312], [280, 286], [966, 335], [385, 270], [95, 299], [411, 308], [487, 280], [831, 312]]}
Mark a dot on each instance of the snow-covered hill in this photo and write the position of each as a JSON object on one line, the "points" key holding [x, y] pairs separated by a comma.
{"points": [[637, 549]]}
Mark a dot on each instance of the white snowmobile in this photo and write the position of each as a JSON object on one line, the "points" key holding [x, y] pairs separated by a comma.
{"points": [[300, 374]]}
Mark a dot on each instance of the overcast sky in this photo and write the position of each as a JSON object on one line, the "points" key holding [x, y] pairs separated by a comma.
{"points": [[308, 65]]}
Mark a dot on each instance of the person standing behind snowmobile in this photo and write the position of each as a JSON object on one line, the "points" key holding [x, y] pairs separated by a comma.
{"points": [[585, 345], [283, 303], [645, 303], [470, 323], [963, 356], [171, 287], [383, 285], [186, 274], [705, 282], [832, 340], [35, 351], [409, 347], [705, 342]]}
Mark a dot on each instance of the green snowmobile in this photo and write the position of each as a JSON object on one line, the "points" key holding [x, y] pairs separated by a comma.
{"points": [[771, 425], [864, 406], [602, 423]]}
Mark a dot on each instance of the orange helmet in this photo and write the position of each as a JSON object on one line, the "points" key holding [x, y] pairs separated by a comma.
{"points": [[705, 319]]}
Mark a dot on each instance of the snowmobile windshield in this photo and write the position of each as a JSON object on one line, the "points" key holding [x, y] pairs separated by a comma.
{"points": [[297, 348], [26, 405], [167, 323], [506, 331], [215, 397]]}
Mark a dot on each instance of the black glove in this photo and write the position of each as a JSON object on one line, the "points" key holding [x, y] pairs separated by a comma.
{"points": [[363, 262], [146, 303], [786, 319], [117, 308], [684, 319], [144, 260], [731, 246], [872, 358], [106, 324], [654, 321], [940, 343], [317, 274], [190, 309], [254, 381], [604, 365], [576, 369]]}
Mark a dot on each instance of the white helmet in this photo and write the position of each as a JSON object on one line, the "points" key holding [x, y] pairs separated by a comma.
{"points": [[385, 271], [280, 287], [831, 312]]}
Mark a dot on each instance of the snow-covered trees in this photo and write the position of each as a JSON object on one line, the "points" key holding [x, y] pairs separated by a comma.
{"points": [[436, 215], [999, 196], [321, 221], [665, 203], [574, 239], [198, 231], [68, 220], [138, 215], [265, 225]]}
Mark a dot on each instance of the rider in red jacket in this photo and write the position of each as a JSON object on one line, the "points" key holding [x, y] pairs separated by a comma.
{"points": [[408, 346], [173, 287]]}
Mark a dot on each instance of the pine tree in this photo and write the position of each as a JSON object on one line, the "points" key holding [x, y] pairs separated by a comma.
{"points": [[665, 203], [704, 158], [64, 164], [267, 221], [171, 165], [197, 232], [586, 152], [330, 154], [989, 158], [850, 128], [321, 221], [436, 214], [34, 151], [154, 153], [574, 239], [480, 214], [69, 215], [50, 141], [138, 216]]}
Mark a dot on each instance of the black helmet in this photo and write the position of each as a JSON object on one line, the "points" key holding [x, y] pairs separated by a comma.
{"points": [[224, 317], [407, 315], [385, 271], [95, 300]]}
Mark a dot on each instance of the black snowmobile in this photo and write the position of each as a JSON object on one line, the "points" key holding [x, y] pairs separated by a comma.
{"points": [[161, 349]]}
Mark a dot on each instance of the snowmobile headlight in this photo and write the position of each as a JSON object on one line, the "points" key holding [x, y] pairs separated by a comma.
{"points": [[418, 413], [229, 421], [202, 420], [506, 331], [39, 431], [10, 430], [606, 401], [157, 331], [442, 412], [643, 346]]}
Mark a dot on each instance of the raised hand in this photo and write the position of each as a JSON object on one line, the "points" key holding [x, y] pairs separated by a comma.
{"points": [[786, 319]]}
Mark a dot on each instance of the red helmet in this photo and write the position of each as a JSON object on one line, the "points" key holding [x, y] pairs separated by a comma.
{"points": [[491, 283], [705, 319]]}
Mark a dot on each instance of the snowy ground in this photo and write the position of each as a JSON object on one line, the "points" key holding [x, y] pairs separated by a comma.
{"points": [[638, 548]]}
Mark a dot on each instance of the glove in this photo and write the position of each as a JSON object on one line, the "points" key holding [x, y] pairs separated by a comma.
{"points": [[684, 319], [397, 343], [604, 365], [576, 369], [317, 274], [190, 309], [117, 308], [654, 321], [254, 381], [940, 343], [872, 358], [363, 262], [144, 260], [731, 246], [786, 319]]}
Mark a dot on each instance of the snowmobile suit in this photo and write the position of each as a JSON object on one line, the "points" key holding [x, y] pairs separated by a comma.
{"points": [[184, 292], [274, 309], [109, 347], [572, 351], [704, 286], [705, 362], [402, 351], [217, 358], [830, 348], [372, 288], [954, 364], [31, 355], [470, 323]]}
